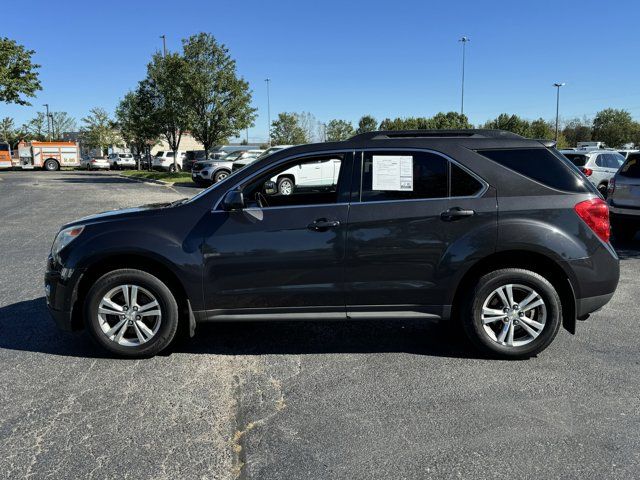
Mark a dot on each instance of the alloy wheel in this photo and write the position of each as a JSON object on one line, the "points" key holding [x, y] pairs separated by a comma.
{"points": [[129, 315], [286, 187], [513, 315]]}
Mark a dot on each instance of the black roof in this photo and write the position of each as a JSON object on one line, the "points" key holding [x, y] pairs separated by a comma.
{"points": [[467, 133]]}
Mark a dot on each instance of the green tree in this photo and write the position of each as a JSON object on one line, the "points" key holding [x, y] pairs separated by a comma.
{"points": [[614, 127], [99, 130], [449, 121], [218, 100], [18, 75], [338, 130], [36, 128], [61, 122], [541, 129], [367, 123], [168, 86], [510, 123], [136, 119], [577, 130], [286, 130], [9, 132]]}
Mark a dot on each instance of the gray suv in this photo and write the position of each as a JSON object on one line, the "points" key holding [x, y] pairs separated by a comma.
{"points": [[624, 199]]}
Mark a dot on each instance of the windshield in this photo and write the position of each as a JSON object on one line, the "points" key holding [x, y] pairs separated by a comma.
{"points": [[233, 156]]}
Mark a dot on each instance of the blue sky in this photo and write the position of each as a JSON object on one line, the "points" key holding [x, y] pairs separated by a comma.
{"points": [[342, 59]]}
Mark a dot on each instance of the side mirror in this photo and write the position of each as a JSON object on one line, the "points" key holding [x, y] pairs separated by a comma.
{"points": [[270, 188], [233, 200]]}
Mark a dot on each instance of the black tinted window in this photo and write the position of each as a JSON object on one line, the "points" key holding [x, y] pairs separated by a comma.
{"points": [[541, 165], [577, 160], [631, 168], [403, 176], [463, 184], [4, 147]]}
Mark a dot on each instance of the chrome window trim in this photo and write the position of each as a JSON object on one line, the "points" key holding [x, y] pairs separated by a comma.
{"points": [[485, 184], [278, 163]]}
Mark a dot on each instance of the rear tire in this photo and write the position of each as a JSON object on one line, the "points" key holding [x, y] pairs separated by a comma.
{"points": [[513, 332], [603, 188], [51, 165], [136, 340], [285, 186]]}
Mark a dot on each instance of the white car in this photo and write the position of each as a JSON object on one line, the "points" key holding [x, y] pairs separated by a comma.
{"points": [[120, 161], [241, 163], [598, 165], [94, 163], [310, 175], [164, 160]]}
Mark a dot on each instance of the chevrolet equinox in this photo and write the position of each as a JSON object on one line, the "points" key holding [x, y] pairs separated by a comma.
{"points": [[496, 232]]}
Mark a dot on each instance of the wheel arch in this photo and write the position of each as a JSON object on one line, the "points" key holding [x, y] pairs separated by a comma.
{"points": [[131, 261], [529, 260]]}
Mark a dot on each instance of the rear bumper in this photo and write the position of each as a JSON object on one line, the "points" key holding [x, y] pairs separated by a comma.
{"points": [[585, 306]]}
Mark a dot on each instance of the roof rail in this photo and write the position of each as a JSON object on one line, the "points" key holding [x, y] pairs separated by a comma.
{"points": [[469, 133]]}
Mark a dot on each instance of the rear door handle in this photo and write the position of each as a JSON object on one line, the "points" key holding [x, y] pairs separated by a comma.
{"points": [[322, 225], [456, 213]]}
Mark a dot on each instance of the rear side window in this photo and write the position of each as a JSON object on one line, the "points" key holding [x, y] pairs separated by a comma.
{"points": [[540, 165], [4, 147], [631, 168], [403, 176], [462, 183]]}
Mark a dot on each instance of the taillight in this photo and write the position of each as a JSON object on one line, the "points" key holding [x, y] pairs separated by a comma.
{"points": [[587, 171], [595, 213], [611, 187]]}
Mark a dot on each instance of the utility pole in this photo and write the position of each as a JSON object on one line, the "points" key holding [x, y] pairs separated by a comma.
{"points": [[46, 105], [464, 41], [558, 85], [268, 80], [164, 45]]}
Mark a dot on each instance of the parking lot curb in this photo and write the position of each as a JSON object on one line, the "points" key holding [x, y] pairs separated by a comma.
{"points": [[148, 180]]}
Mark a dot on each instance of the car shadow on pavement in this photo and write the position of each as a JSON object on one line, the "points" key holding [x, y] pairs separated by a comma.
{"points": [[89, 177], [27, 326]]}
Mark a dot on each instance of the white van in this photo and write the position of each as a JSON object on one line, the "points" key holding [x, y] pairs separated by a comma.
{"points": [[163, 160]]}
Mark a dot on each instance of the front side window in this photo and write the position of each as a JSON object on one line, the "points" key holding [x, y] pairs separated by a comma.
{"points": [[307, 181], [388, 176]]}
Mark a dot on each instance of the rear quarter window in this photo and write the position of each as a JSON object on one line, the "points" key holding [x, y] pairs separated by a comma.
{"points": [[631, 168], [541, 165]]}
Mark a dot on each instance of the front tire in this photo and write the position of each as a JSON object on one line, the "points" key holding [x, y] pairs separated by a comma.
{"points": [[220, 176], [131, 313], [512, 313], [285, 186]]}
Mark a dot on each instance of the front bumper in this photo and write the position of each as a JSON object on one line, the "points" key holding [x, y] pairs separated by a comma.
{"points": [[61, 290], [203, 175]]}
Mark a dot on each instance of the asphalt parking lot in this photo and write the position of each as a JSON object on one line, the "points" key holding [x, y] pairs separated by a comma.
{"points": [[310, 400]]}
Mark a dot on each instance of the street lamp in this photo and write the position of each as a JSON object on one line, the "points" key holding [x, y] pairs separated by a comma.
{"points": [[464, 41], [46, 105], [558, 85], [268, 80], [164, 45]]}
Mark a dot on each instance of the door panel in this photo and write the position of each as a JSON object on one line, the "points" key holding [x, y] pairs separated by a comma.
{"points": [[270, 258]]}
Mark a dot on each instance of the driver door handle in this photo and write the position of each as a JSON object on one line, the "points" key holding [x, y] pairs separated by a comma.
{"points": [[322, 225], [456, 213]]}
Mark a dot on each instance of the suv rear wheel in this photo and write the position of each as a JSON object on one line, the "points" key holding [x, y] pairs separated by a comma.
{"points": [[131, 313], [512, 313], [285, 186]]}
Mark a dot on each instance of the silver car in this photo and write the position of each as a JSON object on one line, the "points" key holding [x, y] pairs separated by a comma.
{"points": [[598, 165], [624, 199], [213, 171]]}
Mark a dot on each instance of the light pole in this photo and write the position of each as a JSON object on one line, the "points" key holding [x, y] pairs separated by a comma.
{"points": [[558, 85], [46, 105], [464, 41], [164, 45], [268, 80]]}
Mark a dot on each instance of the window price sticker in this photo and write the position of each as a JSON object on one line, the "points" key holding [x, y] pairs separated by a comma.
{"points": [[392, 173]]}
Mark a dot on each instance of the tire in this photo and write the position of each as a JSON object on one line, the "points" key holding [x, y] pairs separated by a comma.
{"points": [[160, 329], [174, 169], [51, 165], [623, 230], [221, 175], [522, 344], [285, 186]]}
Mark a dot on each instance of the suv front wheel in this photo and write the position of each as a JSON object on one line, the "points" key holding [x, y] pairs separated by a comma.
{"points": [[512, 313], [131, 313]]}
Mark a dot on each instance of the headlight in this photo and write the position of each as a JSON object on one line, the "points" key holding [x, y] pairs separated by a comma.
{"points": [[65, 237]]}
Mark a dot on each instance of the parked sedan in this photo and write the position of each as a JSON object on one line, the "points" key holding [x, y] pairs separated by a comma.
{"points": [[598, 165], [120, 161], [624, 199], [94, 163]]}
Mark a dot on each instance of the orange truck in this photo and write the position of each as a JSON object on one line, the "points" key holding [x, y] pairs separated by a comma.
{"points": [[48, 155], [5, 155]]}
